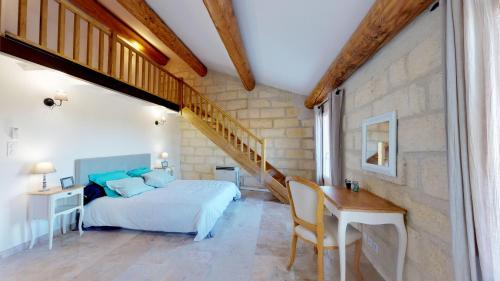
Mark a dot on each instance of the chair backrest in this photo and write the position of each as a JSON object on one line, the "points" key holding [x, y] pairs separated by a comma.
{"points": [[306, 202]]}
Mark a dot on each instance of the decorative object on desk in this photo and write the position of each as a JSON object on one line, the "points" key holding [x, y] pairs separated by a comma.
{"points": [[164, 163], [355, 186], [44, 168], [67, 182], [347, 183], [59, 97]]}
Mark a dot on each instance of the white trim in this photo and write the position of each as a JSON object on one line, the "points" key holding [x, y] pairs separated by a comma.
{"points": [[392, 119], [254, 189]]}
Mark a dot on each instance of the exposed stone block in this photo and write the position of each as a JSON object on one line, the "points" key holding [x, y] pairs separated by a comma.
{"points": [[261, 123], [435, 175], [425, 57], [398, 73], [272, 113], [258, 103], [286, 123], [236, 104], [299, 132], [436, 92], [272, 133], [426, 133]]}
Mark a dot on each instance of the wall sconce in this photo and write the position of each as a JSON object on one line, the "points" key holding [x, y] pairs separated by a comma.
{"points": [[162, 121], [57, 100]]}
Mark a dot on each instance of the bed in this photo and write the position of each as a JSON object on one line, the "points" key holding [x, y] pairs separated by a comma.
{"points": [[184, 206]]}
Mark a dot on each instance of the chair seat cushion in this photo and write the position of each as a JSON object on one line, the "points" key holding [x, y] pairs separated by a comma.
{"points": [[331, 228]]}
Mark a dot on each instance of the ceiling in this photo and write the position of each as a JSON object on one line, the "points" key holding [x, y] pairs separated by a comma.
{"points": [[289, 44]]}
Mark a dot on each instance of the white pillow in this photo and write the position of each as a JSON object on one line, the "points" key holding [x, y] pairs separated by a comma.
{"points": [[158, 178], [129, 187]]}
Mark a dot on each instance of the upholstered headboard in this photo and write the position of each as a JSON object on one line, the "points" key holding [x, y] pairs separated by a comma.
{"points": [[84, 167]]}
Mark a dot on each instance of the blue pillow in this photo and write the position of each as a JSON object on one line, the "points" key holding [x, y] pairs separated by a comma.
{"points": [[102, 178], [138, 172]]}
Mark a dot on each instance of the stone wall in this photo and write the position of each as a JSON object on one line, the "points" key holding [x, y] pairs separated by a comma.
{"points": [[274, 114], [406, 76]]}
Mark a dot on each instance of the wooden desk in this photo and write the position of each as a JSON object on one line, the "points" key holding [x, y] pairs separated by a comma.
{"points": [[367, 208]]}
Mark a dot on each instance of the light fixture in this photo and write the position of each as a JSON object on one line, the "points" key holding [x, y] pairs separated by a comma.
{"points": [[164, 163], [44, 168], [57, 100], [162, 121]]}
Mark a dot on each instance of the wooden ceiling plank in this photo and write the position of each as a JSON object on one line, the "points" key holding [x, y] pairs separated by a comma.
{"points": [[384, 21], [147, 16], [103, 15], [222, 14]]}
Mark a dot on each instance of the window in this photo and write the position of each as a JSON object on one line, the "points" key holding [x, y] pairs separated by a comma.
{"points": [[323, 153], [325, 144]]}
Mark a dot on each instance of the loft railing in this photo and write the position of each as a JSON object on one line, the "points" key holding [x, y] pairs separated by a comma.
{"points": [[90, 44], [237, 136]]}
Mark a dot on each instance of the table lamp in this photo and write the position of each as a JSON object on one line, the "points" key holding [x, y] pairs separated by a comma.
{"points": [[44, 168], [164, 155]]}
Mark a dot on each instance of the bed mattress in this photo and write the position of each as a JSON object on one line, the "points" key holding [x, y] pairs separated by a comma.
{"points": [[184, 206]]}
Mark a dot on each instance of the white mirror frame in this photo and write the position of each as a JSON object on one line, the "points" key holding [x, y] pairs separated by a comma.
{"points": [[391, 169]]}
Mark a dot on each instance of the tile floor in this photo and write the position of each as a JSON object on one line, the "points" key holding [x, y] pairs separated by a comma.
{"points": [[251, 243]]}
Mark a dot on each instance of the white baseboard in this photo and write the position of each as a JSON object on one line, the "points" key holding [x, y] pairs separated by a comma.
{"points": [[25, 245], [253, 188]]}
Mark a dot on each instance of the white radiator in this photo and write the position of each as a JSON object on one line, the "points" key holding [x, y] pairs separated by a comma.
{"points": [[231, 174]]}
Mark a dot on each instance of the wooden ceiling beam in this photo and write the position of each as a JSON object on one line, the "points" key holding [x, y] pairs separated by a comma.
{"points": [[147, 16], [103, 15], [384, 21], [222, 14]]}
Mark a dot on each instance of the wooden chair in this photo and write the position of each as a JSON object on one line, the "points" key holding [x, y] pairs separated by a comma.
{"points": [[310, 224]]}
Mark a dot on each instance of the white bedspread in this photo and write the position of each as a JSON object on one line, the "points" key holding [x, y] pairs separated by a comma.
{"points": [[184, 206]]}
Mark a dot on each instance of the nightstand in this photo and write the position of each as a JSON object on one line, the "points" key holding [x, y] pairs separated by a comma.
{"points": [[48, 205], [169, 169]]}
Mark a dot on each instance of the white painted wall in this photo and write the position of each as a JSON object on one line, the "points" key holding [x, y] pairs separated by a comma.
{"points": [[95, 122]]}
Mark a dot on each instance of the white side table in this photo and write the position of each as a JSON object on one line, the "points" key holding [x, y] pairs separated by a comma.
{"points": [[169, 169], [48, 205]]}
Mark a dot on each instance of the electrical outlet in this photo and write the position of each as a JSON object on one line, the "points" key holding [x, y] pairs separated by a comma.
{"points": [[11, 148]]}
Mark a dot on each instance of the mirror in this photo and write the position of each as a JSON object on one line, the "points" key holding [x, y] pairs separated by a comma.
{"points": [[379, 144]]}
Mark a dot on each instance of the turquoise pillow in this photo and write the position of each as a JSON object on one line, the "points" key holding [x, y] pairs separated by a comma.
{"points": [[102, 178], [138, 172]]}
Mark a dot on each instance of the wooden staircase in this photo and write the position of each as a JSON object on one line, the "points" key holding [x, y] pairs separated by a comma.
{"points": [[230, 135]]}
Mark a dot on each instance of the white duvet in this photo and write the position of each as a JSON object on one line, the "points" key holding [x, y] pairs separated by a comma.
{"points": [[184, 206]]}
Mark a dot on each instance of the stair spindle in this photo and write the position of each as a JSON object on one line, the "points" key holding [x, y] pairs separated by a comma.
{"points": [[61, 32], [44, 6], [76, 36], [100, 51], [22, 15]]}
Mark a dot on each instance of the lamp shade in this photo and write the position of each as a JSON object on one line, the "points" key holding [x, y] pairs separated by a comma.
{"points": [[44, 168], [61, 96], [164, 155]]}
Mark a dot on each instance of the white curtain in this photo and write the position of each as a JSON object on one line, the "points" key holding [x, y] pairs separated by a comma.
{"points": [[473, 124]]}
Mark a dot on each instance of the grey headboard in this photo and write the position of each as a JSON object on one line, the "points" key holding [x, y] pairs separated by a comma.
{"points": [[84, 167]]}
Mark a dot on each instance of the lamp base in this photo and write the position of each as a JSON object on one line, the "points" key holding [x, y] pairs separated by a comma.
{"points": [[44, 189]]}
